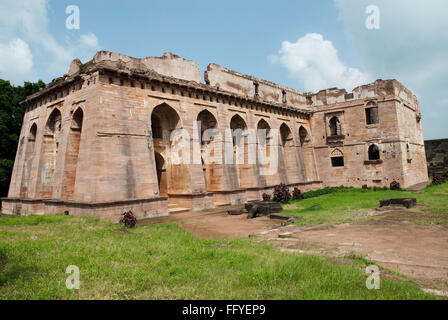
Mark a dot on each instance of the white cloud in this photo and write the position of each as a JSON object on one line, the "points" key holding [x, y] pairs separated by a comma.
{"points": [[315, 62], [27, 20], [16, 61], [90, 40], [410, 46]]}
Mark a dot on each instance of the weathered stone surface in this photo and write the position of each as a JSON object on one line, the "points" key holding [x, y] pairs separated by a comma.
{"points": [[405, 202], [437, 156], [97, 140]]}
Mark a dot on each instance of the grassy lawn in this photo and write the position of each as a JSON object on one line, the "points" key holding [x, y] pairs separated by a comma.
{"points": [[165, 262], [339, 207]]}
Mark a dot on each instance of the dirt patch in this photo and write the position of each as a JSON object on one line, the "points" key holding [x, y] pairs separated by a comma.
{"points": [[392, 240], [216, 223], [391, 237]]}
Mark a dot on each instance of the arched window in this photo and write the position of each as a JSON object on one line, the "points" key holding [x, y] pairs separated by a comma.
{"points": [[335, 126], [374, 152], [337, 158], [303, 134], [206, 121]]}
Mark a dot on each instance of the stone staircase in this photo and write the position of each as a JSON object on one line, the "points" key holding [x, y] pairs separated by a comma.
{"points": [[173, 209]]}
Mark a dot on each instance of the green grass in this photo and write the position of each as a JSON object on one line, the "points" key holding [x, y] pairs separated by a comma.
{"points": [[339, 207], [165, 262]]}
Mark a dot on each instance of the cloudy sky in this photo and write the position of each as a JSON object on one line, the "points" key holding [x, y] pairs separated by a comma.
{"points": [[307, 45]]}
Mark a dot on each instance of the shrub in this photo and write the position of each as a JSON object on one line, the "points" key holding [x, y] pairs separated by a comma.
{"points": [[394, 185], [296, 194], [319, 192], [341, 187], [129, 220], [437, 180], [266, 197], [281, 193]]}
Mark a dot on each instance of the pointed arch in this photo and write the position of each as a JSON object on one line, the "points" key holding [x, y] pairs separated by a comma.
{"points": [[54, 123], [72, 154], [286, 135], [169, 177], [335, 126], [207, 121], [164, 119], [49, 154], [237, 122], [303, 134], [29, 155]]}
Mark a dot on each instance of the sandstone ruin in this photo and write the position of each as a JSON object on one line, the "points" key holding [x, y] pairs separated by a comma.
{"points": [[97, 140]]}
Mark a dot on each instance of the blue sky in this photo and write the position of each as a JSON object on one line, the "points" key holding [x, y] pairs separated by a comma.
{"points": [[307, 45]]}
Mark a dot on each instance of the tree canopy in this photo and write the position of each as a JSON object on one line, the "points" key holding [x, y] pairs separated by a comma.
{"points": [[11, 117]]}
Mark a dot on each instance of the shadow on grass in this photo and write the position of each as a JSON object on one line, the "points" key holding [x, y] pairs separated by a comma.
{"points": [[11, 271]]}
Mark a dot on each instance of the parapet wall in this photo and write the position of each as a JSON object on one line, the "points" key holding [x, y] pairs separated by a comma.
{"points": [[168, 65], [379, 88], [237, 83]]}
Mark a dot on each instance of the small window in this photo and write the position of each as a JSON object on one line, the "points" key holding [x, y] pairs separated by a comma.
{"points": [[372, 113], [337, 161], [335, 126], [374, 152], [132, 84], [255, 89], [121, 82], [110, 81], [349, 96], [284, 96]]}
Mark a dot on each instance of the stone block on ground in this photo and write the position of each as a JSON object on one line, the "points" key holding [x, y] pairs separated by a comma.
{"points": [[405, 202]]}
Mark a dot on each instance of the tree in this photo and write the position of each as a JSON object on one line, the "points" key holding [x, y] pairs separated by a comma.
{"points": [[11, 117]]}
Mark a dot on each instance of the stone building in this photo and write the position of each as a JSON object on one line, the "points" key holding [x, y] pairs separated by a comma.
{"points": [[437, 156], [97, 141]]}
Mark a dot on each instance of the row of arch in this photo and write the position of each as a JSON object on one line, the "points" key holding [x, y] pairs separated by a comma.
{"points": [[163, 116], [48, 156], [164, 119]]}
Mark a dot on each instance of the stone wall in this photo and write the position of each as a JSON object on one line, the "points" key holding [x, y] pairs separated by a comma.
{"points": [[437, 156], [98, 141]]}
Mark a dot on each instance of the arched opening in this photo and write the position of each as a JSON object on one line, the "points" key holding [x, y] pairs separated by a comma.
{"points": [[164, 119], [171, 178], [29, 153], [207, 124], [240, 149], [286, 163], [207, 121], [286, 135], [161, 174], [264, 136], [374, 152], [50, 147], [264, 152], [303, 134], [71, 161], [307, 153], [335, 126]]}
